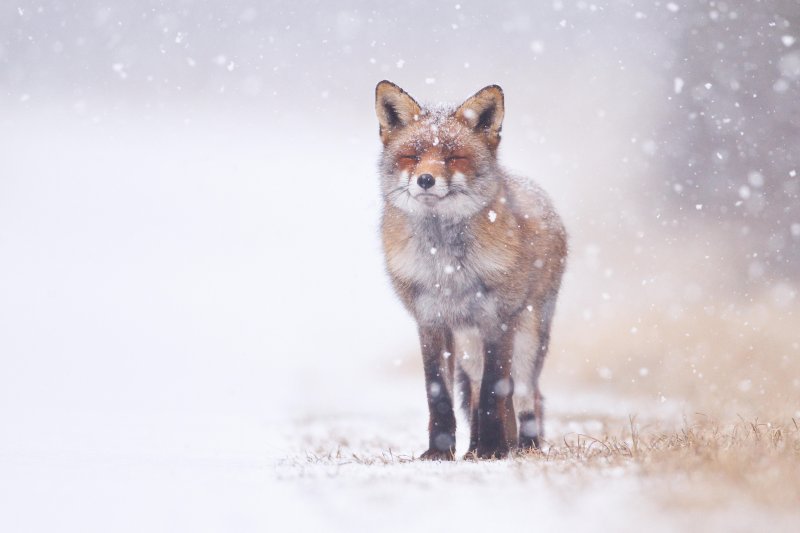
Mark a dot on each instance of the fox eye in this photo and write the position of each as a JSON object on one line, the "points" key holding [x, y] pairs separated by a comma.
{"points": [[412, 157]]}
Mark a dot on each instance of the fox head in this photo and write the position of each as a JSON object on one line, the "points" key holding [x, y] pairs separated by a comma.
{"points": [[439, 160]]}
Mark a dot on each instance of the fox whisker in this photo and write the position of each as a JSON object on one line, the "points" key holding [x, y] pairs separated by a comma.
{"points": [[395, 193]]}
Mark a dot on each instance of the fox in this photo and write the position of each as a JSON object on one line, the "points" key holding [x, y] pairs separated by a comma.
{"points": [[476, 255]]}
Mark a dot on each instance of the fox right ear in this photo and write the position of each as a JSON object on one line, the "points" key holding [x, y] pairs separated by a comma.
{"points": [[395, 109], [483, 112]]}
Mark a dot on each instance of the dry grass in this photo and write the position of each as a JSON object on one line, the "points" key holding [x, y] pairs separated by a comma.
{"points": [[759, 459], [704, 463]]}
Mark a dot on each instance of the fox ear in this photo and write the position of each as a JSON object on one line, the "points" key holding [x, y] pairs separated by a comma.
{"points": [[483, 112], [395, 109]]}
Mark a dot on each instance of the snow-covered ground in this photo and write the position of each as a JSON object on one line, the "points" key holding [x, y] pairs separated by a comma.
{"points": [[197, 335], [196, 332]]}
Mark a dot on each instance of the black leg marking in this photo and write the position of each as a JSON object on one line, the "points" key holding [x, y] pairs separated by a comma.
{"points": [[496, 389], [442, 421]]}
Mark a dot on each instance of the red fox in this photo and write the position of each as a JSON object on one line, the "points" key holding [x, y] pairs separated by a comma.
{"points": [[476, 255]]}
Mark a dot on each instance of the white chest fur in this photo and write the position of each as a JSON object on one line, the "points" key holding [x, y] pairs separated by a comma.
{"points": [[442, 263]]}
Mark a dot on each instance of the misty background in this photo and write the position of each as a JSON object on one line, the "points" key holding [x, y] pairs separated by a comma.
{"points": [[189, 252]]}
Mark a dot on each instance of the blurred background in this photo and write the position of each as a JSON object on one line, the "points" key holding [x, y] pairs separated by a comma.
{"points": [[189, 253]]}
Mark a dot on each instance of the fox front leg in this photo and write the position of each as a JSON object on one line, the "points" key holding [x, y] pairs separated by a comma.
{"points": [[494, 403], [442, 423]]}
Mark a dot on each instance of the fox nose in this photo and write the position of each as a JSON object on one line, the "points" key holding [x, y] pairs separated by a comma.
{"points": [[425, 181]]}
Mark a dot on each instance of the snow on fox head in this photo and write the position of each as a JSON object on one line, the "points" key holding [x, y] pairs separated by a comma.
{"points": [[439, 160]]}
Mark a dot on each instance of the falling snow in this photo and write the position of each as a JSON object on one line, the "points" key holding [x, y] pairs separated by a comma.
{"points": [[189, 225]]}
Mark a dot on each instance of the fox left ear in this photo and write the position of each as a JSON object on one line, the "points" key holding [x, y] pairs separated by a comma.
{"points": [[395, 109], [483, 112]]}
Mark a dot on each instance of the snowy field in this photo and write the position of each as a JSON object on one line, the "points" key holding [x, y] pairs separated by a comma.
{"points": [[196, 330], [198, 336]]}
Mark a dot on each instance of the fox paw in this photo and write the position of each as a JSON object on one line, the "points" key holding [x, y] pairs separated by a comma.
{"points": [[529, 443], [438, 455], [496, 451]]}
